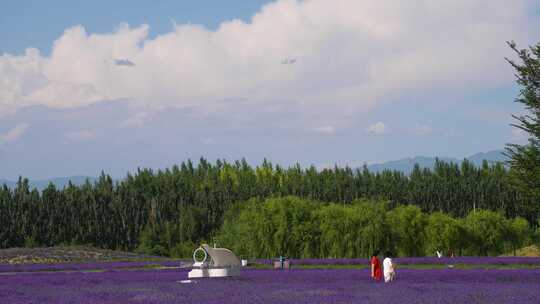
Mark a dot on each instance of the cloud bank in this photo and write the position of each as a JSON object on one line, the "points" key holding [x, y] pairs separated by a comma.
{"points": [[13, 134], [352, 55]]}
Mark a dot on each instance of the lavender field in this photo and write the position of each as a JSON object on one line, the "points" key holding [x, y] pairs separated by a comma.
{"points": [[89, 266], [464, 260], [114, 285]]}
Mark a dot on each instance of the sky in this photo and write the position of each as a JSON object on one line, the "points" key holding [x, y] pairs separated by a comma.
{"points": [[117, 85]]}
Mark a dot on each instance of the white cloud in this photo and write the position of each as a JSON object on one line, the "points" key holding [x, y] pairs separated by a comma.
{"points": [[378, 128], [80, 135], [326, 130], [14, 134], [353, 54]]}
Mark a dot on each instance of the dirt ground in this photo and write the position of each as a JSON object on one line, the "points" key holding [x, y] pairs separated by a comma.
{"points": [[66, 254]]}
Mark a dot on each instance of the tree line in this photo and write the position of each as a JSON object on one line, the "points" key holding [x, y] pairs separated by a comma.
{"points": [[168, 211], [302, 228]]}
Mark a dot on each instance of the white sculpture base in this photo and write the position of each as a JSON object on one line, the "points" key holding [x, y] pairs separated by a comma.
{"points": [[213, 272]]}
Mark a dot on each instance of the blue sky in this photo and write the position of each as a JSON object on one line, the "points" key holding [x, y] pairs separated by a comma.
{"points": [[34, 23], [94, 86]]}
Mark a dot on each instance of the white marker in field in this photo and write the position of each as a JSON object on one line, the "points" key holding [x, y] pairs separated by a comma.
{"points": [[211, 262]]}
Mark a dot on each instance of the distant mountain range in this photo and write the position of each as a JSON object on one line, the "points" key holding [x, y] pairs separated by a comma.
{"points": [[404, 165]]}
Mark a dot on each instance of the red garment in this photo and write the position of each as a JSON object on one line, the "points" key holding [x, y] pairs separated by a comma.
{"points": [[377, 268]]}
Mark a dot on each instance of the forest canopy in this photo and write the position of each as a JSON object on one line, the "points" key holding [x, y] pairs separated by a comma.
{"points": [[169, 211]]}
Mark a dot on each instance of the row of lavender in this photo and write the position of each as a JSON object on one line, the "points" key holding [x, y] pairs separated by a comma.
{"points": [[89, 266], [178, 263], [420, 261], [275, 287]]}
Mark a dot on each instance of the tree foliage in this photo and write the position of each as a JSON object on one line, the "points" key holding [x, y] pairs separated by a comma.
{"points": [[169, 211], [408, 230], [525, 159], [330, 230], [487, 232], [444, 232]]}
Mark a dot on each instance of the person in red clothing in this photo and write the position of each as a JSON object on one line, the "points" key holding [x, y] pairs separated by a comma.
{"points": [[376, 272]]}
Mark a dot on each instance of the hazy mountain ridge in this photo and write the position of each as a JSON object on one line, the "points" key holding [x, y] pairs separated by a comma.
{"points": [[406, 165]]}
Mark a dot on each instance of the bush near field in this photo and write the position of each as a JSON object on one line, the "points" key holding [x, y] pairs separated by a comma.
{"points": [[301, 228]]}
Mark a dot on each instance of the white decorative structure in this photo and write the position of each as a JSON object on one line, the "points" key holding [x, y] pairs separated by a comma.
{"points": [[217, 262]]}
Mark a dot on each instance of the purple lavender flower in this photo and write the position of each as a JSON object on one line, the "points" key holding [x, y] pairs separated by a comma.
{"points": [[420, 261], [274, 287]]}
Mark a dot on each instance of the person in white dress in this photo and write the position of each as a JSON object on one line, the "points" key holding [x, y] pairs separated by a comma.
{"points": [[389, 268]]}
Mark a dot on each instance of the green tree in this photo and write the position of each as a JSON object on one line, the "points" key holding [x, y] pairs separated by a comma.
{"points": [[525, 159], [373, 226], [407, 225], [294, 227], [332, 224], [443, 233], [487, 230], [536, 236], [519, 232], [150, 241]]}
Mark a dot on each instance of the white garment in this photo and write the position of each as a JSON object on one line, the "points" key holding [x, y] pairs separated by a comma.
{"points": [[388, 269]]}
